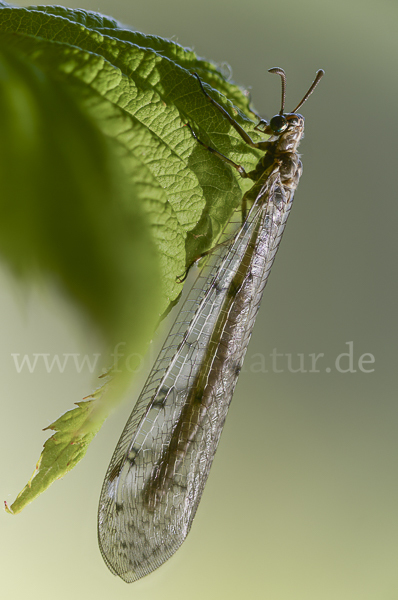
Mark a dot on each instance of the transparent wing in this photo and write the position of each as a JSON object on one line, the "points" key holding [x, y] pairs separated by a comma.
{"points": [[160, 465]]}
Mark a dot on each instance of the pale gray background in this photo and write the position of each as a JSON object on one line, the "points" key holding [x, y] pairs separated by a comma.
{"points": [[302, 500]]}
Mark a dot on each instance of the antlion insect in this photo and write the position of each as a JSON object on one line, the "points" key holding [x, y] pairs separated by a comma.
{"points": [[161, 463]]}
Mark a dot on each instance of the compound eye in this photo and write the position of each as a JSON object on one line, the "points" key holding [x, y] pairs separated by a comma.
{"points": [[278, 124]]}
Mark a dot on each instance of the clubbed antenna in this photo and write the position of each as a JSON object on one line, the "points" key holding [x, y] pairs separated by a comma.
{"points": [[282, 75], [317, 79]]}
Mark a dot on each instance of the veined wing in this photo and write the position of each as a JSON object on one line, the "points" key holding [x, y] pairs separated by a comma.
{"points": [[160, 465]]}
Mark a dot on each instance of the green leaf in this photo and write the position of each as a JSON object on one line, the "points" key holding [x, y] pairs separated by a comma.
{"points": [[104, 191], [63, 450], [59, 179]]}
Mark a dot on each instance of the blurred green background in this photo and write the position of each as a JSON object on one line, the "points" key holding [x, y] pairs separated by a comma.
{"points": [[301, 503]]}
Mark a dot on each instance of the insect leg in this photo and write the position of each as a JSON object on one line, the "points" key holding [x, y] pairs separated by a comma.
{"points": [[243, 134], [239, 168], [262, 125]]}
